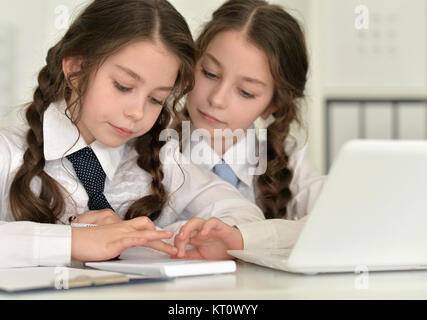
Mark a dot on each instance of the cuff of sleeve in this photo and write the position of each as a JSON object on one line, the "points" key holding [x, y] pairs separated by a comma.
{"points": [[257, 235], [53, 245]]}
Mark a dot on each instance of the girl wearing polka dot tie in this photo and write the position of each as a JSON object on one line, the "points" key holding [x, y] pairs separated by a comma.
{"points": [[91, 148], [251, 64]]}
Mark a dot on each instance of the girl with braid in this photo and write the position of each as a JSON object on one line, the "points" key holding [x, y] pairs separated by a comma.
{"points": [[251, 63], [91, 151]]}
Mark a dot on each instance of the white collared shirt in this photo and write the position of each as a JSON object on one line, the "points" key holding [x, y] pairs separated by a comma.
{"points": [[25, 244], [305, 187]]}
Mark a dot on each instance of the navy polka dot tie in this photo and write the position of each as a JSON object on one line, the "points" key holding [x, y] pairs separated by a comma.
{"points": [[92, 176]]}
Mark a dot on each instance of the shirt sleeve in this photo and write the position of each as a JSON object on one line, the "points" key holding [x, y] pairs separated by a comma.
{"points": [[197, 193], [272, 233], [30, 244], [27, 244]]}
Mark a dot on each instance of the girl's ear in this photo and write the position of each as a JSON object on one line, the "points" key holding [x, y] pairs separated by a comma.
{"points": [[268, 111], [71, 65]]}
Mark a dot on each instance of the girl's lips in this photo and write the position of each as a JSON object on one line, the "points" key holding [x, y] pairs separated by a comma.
{"points": [[123, 132], [209, 118]]}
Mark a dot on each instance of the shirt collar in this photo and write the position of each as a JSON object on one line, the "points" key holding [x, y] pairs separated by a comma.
{"points": [[61, 138], [201, 153]]}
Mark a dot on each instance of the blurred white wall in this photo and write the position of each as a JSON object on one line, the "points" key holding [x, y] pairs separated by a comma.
{"points": [[27, 30], [386, 58]]}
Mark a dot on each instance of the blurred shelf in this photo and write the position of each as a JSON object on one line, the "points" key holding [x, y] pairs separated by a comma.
{"points": [[385, 93]]}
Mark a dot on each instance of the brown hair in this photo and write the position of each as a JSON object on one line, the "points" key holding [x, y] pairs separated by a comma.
{"points": [[281, 38], [102, 29]]}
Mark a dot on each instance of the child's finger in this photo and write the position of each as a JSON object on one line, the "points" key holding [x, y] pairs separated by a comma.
{"points": [[194, 224], [152, 235], [191, 227], [180, 245], [127, 242], [209, 226], [162, 246], [193, 254], [142, 223], [198, 241]]}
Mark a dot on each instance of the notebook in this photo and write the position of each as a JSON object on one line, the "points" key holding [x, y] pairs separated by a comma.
{"points": [[151, 263], [59, 278], [371, 214]]}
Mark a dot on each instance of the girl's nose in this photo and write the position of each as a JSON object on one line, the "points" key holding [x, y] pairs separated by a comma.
{"points": [[135, 111], [218, 97]]}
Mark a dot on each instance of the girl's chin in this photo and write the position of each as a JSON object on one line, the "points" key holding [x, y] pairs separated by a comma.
{"points": [[204, 130], [112, 142]]}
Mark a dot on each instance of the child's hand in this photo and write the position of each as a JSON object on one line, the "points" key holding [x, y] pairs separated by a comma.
{"points": [[211, 239], [108, 241], [99, 217]]}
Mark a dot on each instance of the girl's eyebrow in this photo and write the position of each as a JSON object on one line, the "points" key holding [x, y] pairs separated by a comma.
{"points": [[254, 81], [214, 60], [138, 78], [134, 75], [247, 79]]}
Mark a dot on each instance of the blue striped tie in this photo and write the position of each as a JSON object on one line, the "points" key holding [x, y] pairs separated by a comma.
{"points": [[92, 176], [223, 170]]}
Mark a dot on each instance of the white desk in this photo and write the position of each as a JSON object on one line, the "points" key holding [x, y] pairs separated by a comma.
{"points": [[255, 282]]}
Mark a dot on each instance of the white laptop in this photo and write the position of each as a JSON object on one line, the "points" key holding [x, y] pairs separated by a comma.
{"points": [[150, 263], [371, 214]]}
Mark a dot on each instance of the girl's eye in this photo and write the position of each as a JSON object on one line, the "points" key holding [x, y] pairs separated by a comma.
{"points": [[209, 75], [246, 94], [121, 88], [155, 101]]}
